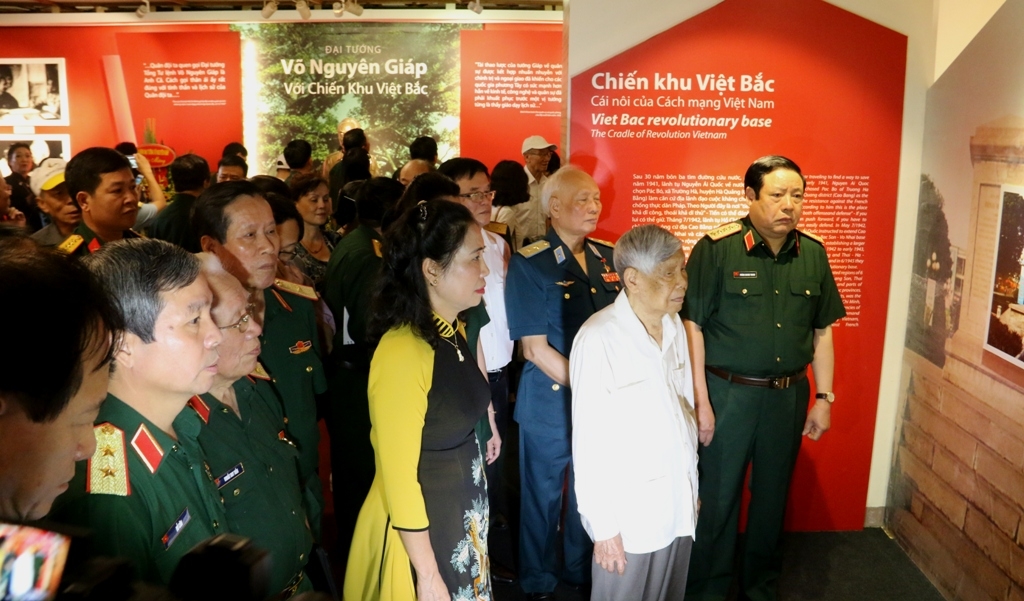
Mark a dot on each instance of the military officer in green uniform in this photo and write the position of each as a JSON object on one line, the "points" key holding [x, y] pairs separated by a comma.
{"points": [[147, 493], [234, 222], [552, 287], [351, 278], [759, 310], [101, 183], [255, 470]]}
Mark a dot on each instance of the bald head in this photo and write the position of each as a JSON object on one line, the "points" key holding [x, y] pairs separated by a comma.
{"points": [[564, 185], [413, 168]]}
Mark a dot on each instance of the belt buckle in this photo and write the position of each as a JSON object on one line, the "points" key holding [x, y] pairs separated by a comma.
{"points": [[779, 383]]}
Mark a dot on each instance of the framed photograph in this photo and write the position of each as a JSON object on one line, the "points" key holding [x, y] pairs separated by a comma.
{"points": [[1005, 336], [33, 91], [42, 146]]}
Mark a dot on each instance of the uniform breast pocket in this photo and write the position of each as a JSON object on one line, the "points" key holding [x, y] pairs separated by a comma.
{"points": [[743, 301], [803, 302]]}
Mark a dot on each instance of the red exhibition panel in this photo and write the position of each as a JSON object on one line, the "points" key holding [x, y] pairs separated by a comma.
{"points": [[184, 91], [511, 89], [669, 126]]}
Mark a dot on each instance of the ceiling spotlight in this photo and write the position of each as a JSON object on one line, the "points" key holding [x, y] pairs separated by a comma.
{"points": [[269, 8], [303, 7], [353, 7], [142, 10], [475, 6], [339, 8]]}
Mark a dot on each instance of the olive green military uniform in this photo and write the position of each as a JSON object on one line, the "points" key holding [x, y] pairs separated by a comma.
{"points": [[257, 474], [144, 495], [174, 223], [351, 277], [758, 313], [291, 355], [83, 241]]}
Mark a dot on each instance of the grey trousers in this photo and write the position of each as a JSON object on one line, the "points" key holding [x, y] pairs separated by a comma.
{"points": [[657, 576]]}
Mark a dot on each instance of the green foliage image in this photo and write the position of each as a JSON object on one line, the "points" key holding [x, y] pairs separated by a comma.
{"points": [[398, 81]]}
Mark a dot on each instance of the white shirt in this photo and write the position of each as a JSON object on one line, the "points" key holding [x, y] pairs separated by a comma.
{"points": [[530, 218], [494, 336], [634, 430]]}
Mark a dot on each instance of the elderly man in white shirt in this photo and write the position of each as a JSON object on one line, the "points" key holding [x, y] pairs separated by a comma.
{"points": [[531, 218], [634, 426]]}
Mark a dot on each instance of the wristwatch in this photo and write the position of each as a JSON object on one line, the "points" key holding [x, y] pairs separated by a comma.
{"points": [[826, 396]]}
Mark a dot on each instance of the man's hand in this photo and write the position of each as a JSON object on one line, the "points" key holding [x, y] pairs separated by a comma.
{"points": [[610, 555], [819, 419], [705, 423]]}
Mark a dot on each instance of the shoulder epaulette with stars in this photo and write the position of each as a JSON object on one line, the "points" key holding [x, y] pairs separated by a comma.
{"points": [[147, 448], [108, 466], [307, 292], [724, 231], [602, 242], [533, 249], [70, 244], [814, 237], [497, 227]]}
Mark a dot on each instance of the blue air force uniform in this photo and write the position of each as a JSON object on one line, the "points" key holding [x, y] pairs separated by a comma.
{"points": [[548, 294]]}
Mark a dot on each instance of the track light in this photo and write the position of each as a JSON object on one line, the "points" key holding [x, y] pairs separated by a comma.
{"points": [[269, 8], [142, 10], [475, 6], [339, 8], [303, 7], [353, 7]]}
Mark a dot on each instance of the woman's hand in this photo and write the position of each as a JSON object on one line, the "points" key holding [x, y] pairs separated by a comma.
{"points": [[494, 444], [431, 588], [610, 555]]}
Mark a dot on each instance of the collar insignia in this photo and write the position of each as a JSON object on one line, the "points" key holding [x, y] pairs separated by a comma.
{"points": [[748, 240], [559, 255], [200, 407], [148, 449]]}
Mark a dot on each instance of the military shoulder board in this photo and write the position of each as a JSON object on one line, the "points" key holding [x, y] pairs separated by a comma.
{"points": [[297, 289], [108, 466], [497, 227], [814, 237], [70, 244], [536, 247], [725, 231]]}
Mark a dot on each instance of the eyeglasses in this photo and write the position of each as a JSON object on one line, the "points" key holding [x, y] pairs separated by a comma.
{"points": [[478, 196], [287, 255], [243, 322]]}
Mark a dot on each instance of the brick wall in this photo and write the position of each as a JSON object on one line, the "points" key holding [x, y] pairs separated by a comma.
{"points": [[956, 500]]}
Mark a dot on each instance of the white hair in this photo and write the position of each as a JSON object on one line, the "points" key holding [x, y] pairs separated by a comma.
{"points": [[554, 183], [645, 247]]}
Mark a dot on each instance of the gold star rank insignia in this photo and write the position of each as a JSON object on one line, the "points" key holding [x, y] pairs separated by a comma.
{"points": [[108, 467]]}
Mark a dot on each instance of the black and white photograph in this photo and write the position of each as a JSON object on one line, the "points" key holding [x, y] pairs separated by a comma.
{"points": [[43, 146], [33, 91]]}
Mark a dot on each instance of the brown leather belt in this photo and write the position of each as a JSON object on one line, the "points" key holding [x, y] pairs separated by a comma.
{"points": [[776, 383]]}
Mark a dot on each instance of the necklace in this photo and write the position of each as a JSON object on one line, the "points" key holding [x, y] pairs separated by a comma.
{"points": [[318, 249], [457, 349], [447, 330]]}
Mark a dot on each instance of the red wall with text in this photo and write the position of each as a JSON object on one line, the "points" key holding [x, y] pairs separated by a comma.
{"points": [[747, 78], [89, 106]]}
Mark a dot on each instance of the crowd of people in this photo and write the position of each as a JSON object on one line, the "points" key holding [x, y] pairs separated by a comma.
{"points": [[180, 354]]}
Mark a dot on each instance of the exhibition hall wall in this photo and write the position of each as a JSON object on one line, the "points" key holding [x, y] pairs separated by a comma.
{"points": [[956, 499], [194, 88]]}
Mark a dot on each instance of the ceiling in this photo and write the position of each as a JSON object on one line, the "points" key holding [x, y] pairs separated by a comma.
{"points": [[91, 6]]}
